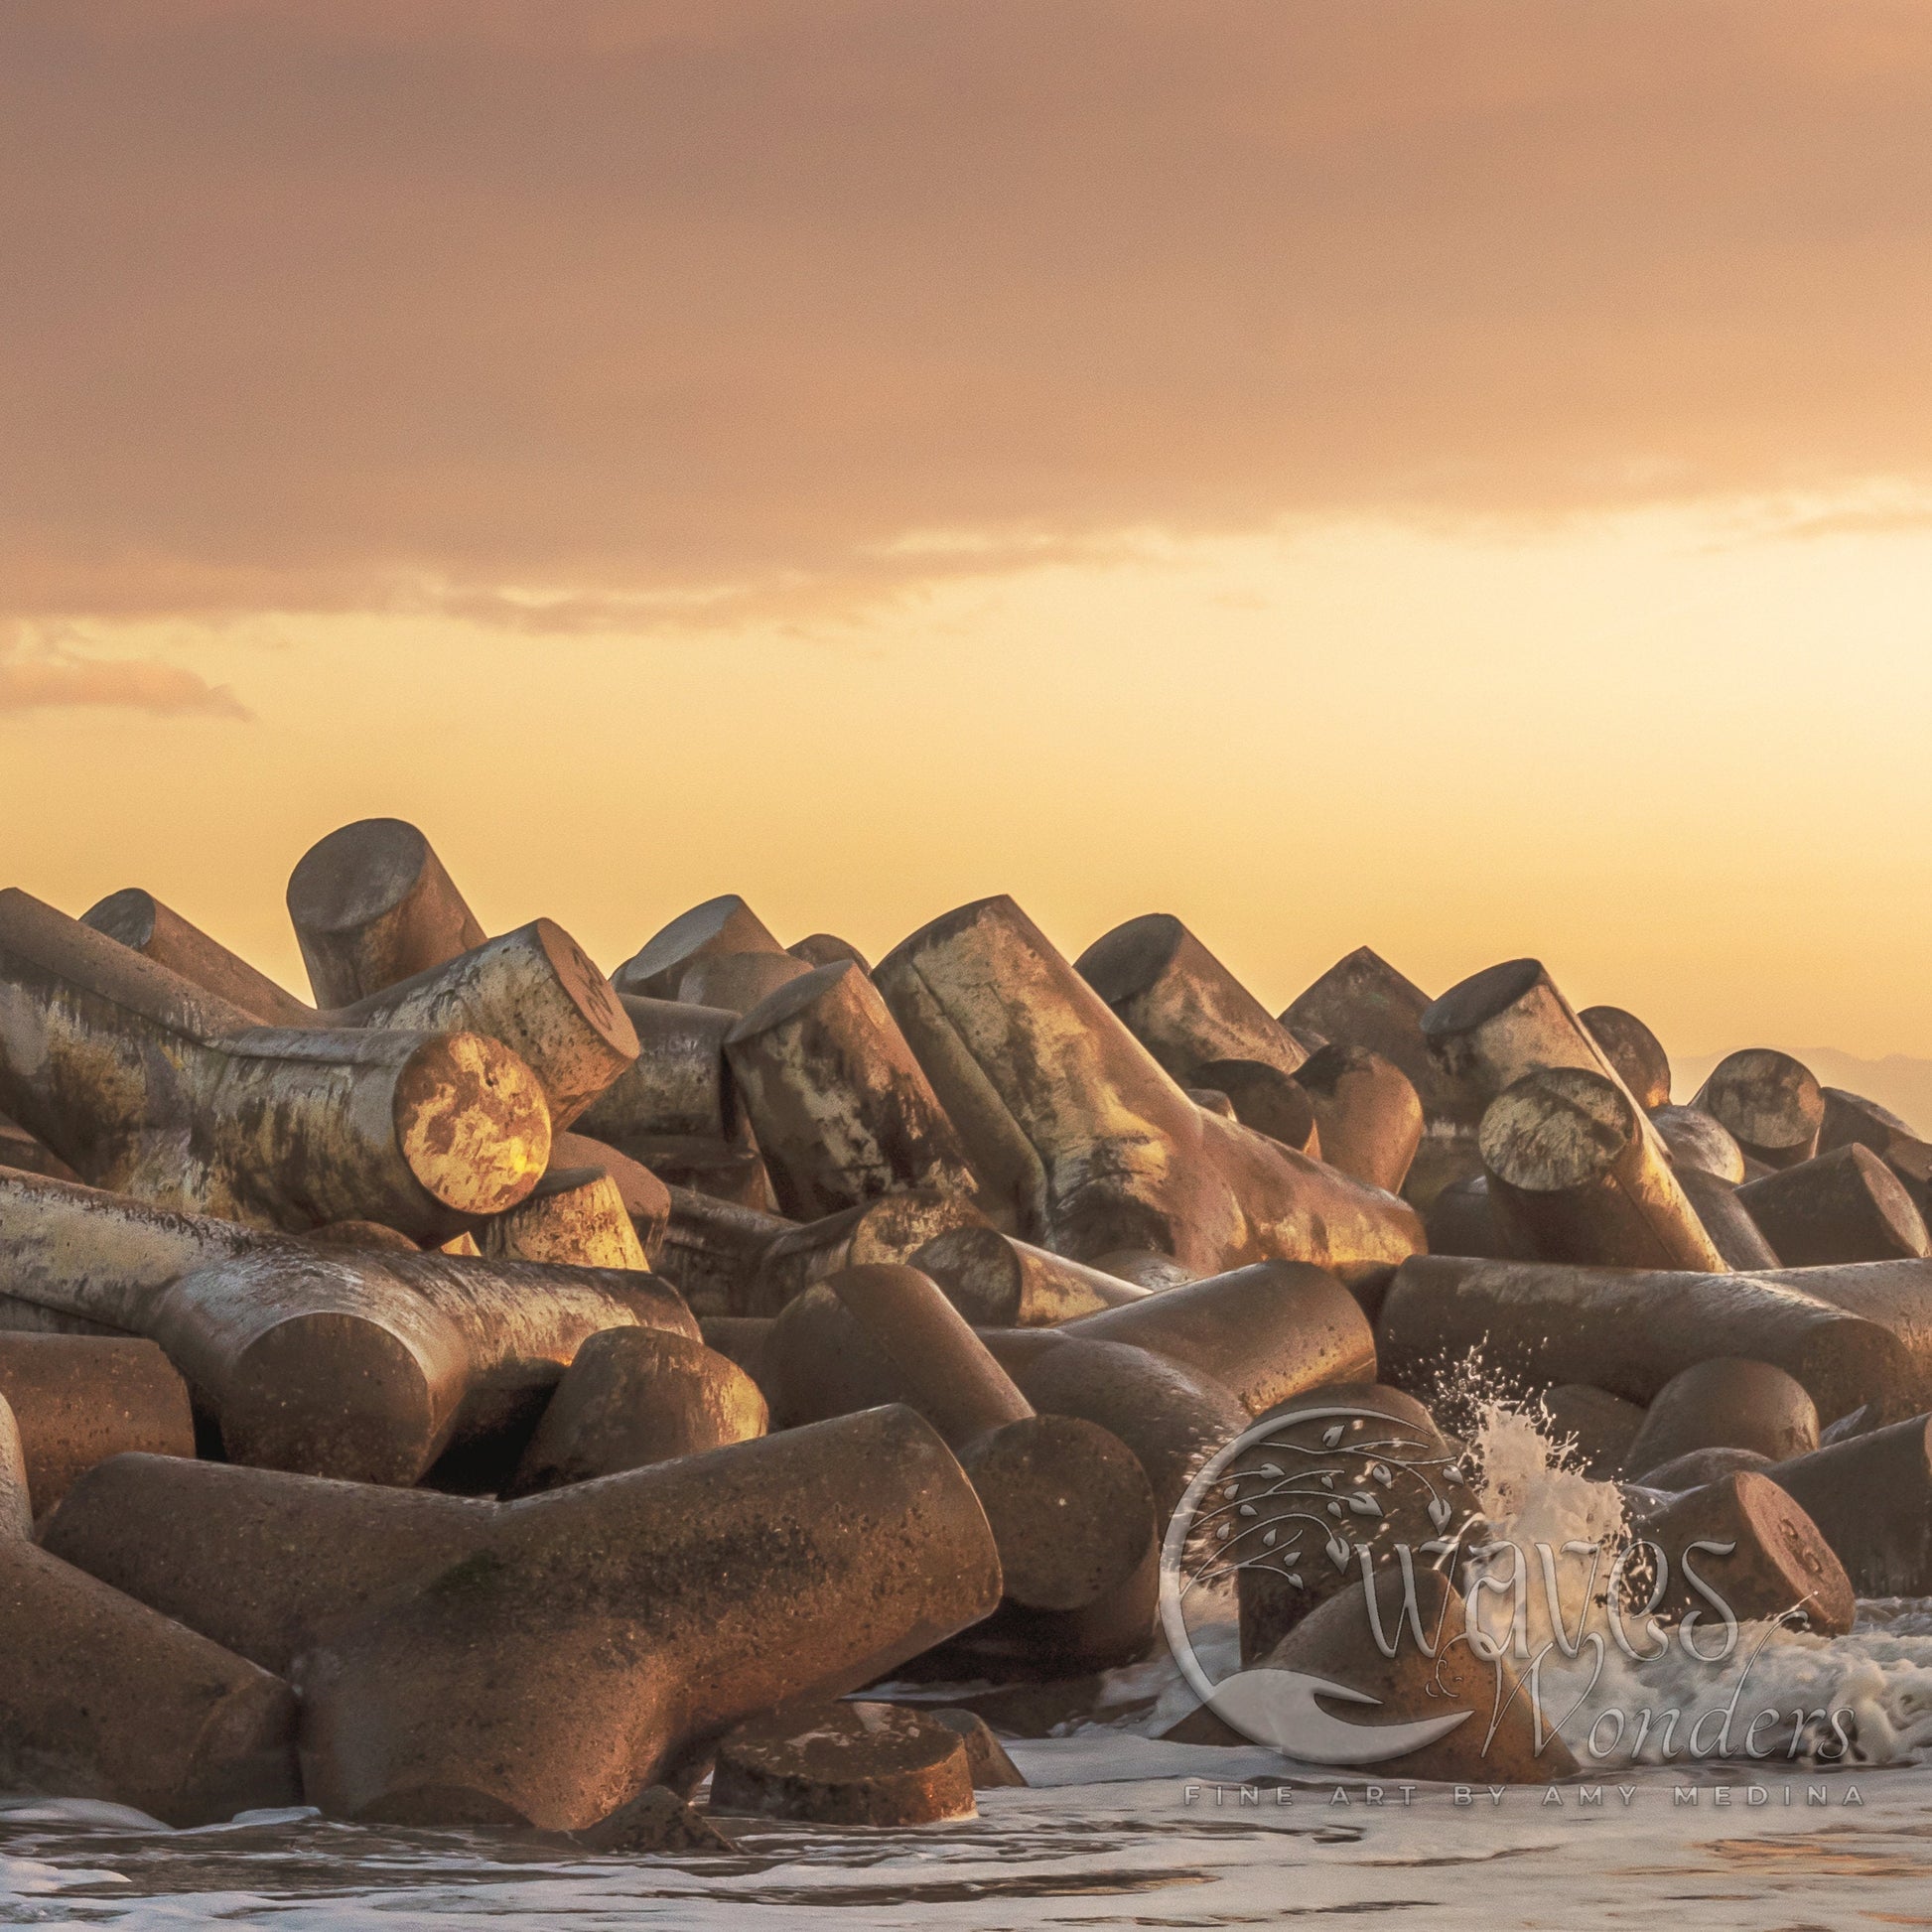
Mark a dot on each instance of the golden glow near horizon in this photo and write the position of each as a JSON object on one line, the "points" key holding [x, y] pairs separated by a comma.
{"points": [[1677, 756], [1455, 479]]}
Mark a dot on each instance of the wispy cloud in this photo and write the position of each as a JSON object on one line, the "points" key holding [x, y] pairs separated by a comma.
{"points": [[129, 684]]}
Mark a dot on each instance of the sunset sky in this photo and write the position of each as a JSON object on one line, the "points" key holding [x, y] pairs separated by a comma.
{"points": [[1456, 477]]}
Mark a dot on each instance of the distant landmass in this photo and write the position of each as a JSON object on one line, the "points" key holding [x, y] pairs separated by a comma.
{"points": [[1898, 1081]]}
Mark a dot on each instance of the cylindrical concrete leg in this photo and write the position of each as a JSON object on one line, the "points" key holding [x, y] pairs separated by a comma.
{"points": [[1263, 1097], [16, 1504], [1576, 1175], [576, 1216], [1628, 1330], [680, 1083], [103, 1699], [1725, 1403], [1179, 1002], [79, 1399], [1362, 1001], [736, 982], [1727, 1220], [1367, 1112], [842, 1110], [1694, 1139], [1458, 1222], [1845, 1205], [1871, 1496], [720, 925], [893, 1228], [255, 1560], [1634, 1051], [1779, 1562], [633, 1397], [143, 924], [371, 904], [1265, 1333], [1769, 1103], [827, 949], [533, 990], [995, 1282]]}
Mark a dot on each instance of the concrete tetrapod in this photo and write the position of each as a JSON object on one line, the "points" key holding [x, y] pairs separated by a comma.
{"points": [[80, 1399], [611, 1626], [1634, 1051], [842, 1111], [1629, 1330], [720, 925], [1769, 1103], [995, 1282], [1725, 1403], [335, 1362], [1575, 1173], [534, 990], [1843, 1206], [1367, 1112], [372, 905], [633, 1397], [1081, 1142], [1872, 1497], [1265, 1333], [1070, 1508], [150, 1086], [1179, 1002], [1762, 1556]]}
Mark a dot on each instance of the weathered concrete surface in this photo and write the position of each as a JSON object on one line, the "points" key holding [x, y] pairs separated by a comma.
{"points": [[720, 925], [1769, 1103]]}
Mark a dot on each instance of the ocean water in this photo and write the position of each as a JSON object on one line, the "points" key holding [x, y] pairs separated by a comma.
{"points": [[1120, 1829]]}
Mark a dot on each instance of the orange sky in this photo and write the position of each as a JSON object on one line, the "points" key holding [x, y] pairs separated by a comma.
{"points": [[1458, 478]]}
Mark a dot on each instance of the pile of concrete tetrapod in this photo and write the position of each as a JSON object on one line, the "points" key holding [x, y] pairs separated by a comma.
{"points": [[503, 1395]]}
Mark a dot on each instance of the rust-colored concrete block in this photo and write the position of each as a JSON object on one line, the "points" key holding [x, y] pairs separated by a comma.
{"points": [[842, 1111], [1634, 1051], [1367, 1113], [1081, 1142], [1769, 1103], [1843, 1206], [372, 905], [1872, 1497], [1575, 1173], [1727, 1220], [142, 924], [633, 1397], [827, 949], [1179, 1002], [720, 925], [736, 982], [1602, 1426], [576, 1216], [80, 1399], [846, 1764]]}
